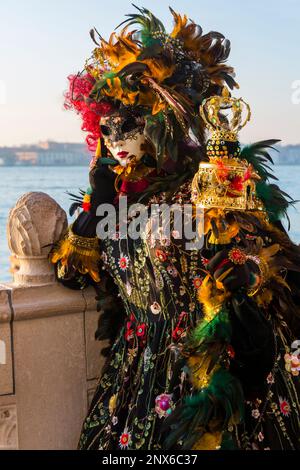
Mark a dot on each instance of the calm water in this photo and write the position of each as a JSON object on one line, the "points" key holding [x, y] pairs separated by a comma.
{"points": [[55, 181]]}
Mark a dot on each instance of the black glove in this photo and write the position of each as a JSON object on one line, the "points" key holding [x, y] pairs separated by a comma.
{"points": [[239, 275], [102, 181]]}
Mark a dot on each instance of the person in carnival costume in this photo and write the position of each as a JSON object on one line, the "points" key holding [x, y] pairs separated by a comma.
{"points": [[202, 348]]}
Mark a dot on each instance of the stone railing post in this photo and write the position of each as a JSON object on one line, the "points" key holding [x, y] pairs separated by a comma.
{"points": [[36, 222], [49, 360]]}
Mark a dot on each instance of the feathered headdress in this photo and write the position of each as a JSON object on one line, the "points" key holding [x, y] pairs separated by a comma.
{"points": [[165, 75]]}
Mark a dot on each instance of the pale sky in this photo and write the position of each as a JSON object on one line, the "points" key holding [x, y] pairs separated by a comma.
{"points": [[43, 41]]}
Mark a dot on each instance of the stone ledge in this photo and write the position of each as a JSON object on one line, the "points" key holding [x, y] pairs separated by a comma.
{"points": [[5, 309], [49, 359], [8, 423], [46, 301], [6, 365]]}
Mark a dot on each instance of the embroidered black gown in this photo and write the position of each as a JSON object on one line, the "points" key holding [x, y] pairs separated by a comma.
{"points": [[145, 377]]}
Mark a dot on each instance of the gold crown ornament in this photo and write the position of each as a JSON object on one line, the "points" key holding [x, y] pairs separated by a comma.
{"points": [[226, 181]]}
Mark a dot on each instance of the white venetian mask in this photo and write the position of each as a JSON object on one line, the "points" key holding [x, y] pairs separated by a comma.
{"points": [[124, 138]]}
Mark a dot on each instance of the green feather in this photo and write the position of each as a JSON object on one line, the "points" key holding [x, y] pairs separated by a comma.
{"points": [[149, 24], [218, 329], [223, 398], [96, 90], [258, 155], [274, 199]]}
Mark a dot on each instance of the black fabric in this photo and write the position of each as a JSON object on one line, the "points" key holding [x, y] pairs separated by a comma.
{"points": [[102, 181], [253, 342], [240, 275]]}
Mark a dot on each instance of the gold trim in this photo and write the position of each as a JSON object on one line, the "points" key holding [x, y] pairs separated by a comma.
{"points": [[79, 253]]}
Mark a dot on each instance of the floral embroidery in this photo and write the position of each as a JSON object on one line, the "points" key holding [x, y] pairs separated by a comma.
{"points": [[178, 333], [172, 271], [153, 273], [161, 255], [237, 256], [108, 428], [131, 354], [115, 236], [175, 234], [155, 308], [124, 262], [114, 420], [163, 405], [270, 378], [128, 288], [152, 241], [197, 281], [260, 436], [180, 329], [165, 241], [141, 330], [230, 351], [183, 316], [205, 261], [292, 364], [124, 439], [182, 290], [104, 257], [255, 414], [284, 406], [129, 334], [112, 404], [132, 317], [147, 354], [147, 359]]}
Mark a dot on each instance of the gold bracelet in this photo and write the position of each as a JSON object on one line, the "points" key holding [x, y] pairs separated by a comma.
{"points": [[82, 242], [263, 269]]}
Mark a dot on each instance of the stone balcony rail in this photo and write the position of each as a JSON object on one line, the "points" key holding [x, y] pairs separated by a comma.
{"points": [[49, 359]]}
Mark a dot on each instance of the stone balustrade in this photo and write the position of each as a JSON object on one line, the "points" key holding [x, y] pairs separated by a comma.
{"points": [[49, 359]]}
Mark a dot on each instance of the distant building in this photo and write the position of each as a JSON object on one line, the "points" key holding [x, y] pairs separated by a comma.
{"points": [[50, 153], [26, 158], [61, 158], [46, 154], [7, 156]]}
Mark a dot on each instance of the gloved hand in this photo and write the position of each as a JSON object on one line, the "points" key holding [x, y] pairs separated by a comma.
{"points": [[102, 181], [252, 333], [232, 267]]}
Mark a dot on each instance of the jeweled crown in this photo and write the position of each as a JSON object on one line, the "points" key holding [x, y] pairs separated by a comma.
{"points": [[226, 181], [212, 112]]}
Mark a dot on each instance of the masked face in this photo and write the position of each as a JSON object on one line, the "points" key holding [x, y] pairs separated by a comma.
{"points": [[123, 136]]}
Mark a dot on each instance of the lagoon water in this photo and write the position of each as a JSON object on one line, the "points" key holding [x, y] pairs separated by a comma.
{"points": [[55, 181]]}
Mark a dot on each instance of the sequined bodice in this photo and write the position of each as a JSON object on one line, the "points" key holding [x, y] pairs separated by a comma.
{"points": [[156, 280], [158, 277]]}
